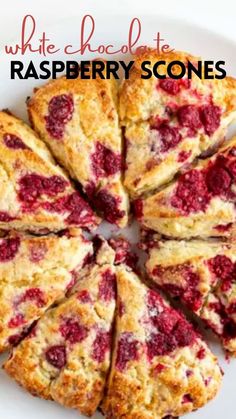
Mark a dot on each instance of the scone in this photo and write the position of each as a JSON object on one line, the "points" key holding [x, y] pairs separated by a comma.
{"points": [[35, 194], [160, 365], [78, 119], [169, 122], [67, 355], [203, 276], [34, 273], [201, 202]]}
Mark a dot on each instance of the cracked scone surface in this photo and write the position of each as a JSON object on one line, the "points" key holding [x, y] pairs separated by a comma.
{"points": [[168, 123], [34, 273], [160, 365], [35, 193], [67, 355], [78, 119], [200, 203], [202, 275]]}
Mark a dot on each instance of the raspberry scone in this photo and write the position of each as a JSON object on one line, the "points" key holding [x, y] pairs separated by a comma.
{"points": [[67, 355], [160, 367], [34, 273], [203, 276], [35, 194], [201, 202], [78, 119], [169, 122]]}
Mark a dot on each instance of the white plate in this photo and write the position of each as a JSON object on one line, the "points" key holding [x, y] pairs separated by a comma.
{"points": [[15, 403]]}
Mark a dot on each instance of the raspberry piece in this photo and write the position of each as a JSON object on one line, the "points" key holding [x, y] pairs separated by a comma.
{"points": [[183, 155], [33, 294], [108, 205], [201, 353], [14, 142], [16, 321], [32, 186], [158, 345], [224, 227], [37, 252], [218, 179], [170, 86], [169, 137], [56, 356], [124, 253], [101, 345], [210, 117], [105, 161], [80, 211], [112, 162], [232, 308], [191, 194], [107, 286], [165, 321], [9, 248], [188, 292], [55, 128], [189, 116], [222, 267], [191, 295], [187, 399], [84, 297], [73, 331], [172, 330], [127, 350], [159, 368], [61, 108], [5, 217]]}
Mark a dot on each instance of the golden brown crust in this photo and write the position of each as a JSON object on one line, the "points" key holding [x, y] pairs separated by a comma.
{"points": [[145, 106], [189, 267], [25, 163], [94, 123], [216, 219], [168, 384], [37, 273], [81, 325]]}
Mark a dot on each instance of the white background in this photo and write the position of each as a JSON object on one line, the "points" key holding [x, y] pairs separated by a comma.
{"points": [[217, 15]]}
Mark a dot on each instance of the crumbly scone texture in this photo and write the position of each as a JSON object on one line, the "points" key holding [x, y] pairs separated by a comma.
{"points": [[79, 121], [35, 193], [67, 355], [160, 365], [168, 123], [202, 275], [200, 203], [35, 272]]}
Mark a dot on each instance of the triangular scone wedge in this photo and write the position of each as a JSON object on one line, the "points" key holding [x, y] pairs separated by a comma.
{"points": [[168, 123], [34, 273], [67, 356], [202, 275], [201, 202], [160, 365], [35, 194], [78, 119]]}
